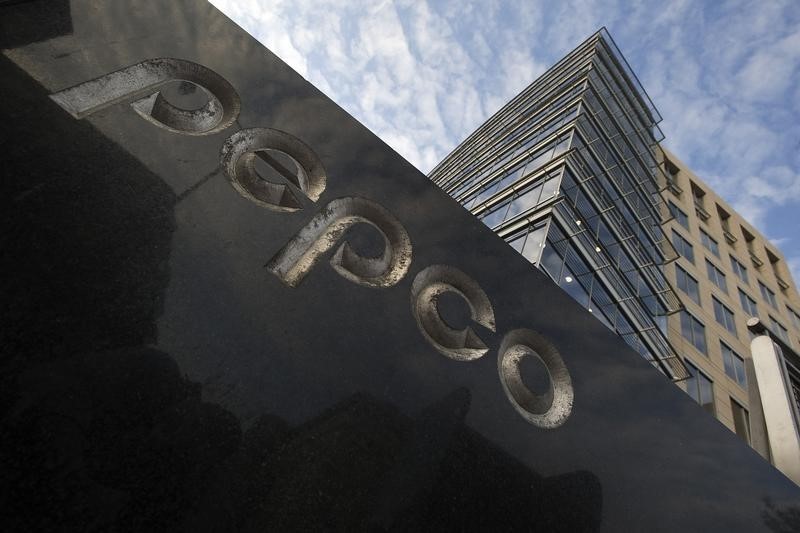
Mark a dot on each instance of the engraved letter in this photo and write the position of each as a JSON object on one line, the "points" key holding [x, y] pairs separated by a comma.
{"points": [[294, 261], [140, 83], [551, 409], [461, 345], [238, 159]]}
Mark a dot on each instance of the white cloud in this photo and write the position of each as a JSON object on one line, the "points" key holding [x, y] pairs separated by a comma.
{"points": [[766, 75], [423, 75]]}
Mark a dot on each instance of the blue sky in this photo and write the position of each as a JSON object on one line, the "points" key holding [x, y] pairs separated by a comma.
{"points": [[422, 75]]}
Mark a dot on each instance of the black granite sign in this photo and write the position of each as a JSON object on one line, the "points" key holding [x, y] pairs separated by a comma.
{"points": [[227, 306]]}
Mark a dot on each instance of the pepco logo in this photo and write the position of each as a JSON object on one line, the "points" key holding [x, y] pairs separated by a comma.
{"points": [[139, 86]]}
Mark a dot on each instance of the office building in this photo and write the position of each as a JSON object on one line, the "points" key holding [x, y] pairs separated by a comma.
{"points": [[568, 174], [571, 174], [727, 272]]}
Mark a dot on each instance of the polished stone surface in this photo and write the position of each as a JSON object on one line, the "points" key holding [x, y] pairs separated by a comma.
{"points": [[157, 375]]}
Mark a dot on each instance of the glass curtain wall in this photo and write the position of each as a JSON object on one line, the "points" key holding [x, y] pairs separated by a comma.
{"points": [[567, 173]]}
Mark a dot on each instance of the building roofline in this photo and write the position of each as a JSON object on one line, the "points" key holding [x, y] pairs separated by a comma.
{"points": [[601, 34], [626, 69], [741, 220]]}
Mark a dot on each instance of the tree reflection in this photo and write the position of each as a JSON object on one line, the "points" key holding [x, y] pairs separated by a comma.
{"points": [[781, 519]]}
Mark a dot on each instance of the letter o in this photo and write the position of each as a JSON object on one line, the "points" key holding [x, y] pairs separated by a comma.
{"points": [[549, 410]]}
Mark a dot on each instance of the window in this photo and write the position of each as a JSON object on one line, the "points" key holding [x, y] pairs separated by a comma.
{"points": [[687, 284], [517, 241], [672, 177], [576, 279], [724, 220], [679, 215], [525, 201], [698, 195], [749, 240], [768, 295], [748, 304], [734, 365], [724, 316], [739, 269], [683, 246], [535, 242], [694, 331], [775, 263], [530, 243], [494, 216], [716, 275], [779, 330], [709, 242], [741, 420], [795, 317], [700, 388]]}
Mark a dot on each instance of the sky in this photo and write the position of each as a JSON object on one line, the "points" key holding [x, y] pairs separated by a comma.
{"points": [[422, 75]]}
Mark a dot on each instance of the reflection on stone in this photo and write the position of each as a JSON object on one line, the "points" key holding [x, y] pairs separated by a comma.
{"points": [[154, 378], [94, 438], [116, 456], [781, 518], [34, 21]]}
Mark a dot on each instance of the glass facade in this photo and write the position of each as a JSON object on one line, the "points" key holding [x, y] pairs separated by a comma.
{"points": [[568, 174]]}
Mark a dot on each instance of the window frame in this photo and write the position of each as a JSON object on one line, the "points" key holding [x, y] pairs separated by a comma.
{"points": [[683, 219], [780, 329], [709, 243], [724, 315], [682, 272], [748, 434], [731, 369], [714, 273], [740, 270], [794, 316], [750, 303], [768, 295], [694, 339], [694, 372], [684, 244]]}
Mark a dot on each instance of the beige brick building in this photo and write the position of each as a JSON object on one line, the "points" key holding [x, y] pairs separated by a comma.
{"points": [[726, 272]]}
